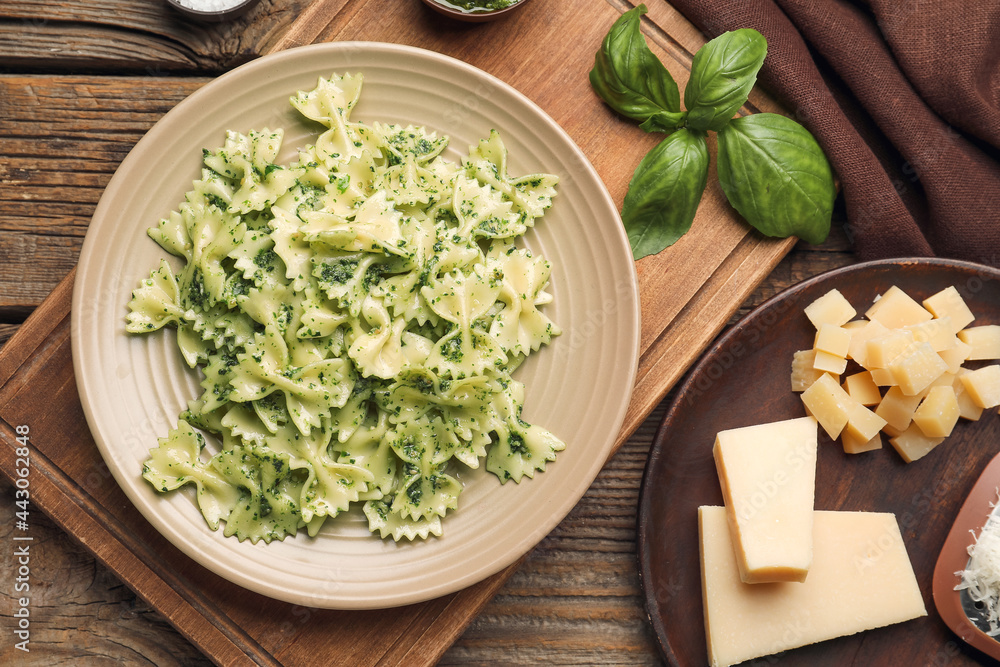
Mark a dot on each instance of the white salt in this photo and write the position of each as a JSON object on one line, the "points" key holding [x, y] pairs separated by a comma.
{"points": [[210, 5]]}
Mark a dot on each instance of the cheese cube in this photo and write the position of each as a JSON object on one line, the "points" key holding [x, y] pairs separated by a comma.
{"points": [[912, 444], [946, 379], [834, 340], [967, 408], [862, 388], [938, 413], [883, 377], [803, 373], [915, 369], [936, 332], [897, 309], [949, 303], [881, 350], [831, 308], [897, 409], [956, 356], [892, 431], [862, 423], [856, 445], [768, 477], [983, 386], [829, 404], [858, 347], [985, 341], [861, 579], [829, 363]]}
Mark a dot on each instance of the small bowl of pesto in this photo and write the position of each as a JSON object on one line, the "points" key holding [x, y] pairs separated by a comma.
{"points": [[474, 10]]}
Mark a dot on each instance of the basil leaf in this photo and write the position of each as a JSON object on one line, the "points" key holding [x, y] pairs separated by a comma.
{"points": [[628, 76], [664, 121], [664, 192], [775, 174], [722, 74]]}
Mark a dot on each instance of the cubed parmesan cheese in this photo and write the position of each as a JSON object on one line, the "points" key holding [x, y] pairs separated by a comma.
{"points": [[831, 308], [983, 386], [897, 409], [862, 388], [984, 341], [956, 356], [967, 408], [912, 444], [938, 413], [883, 349], [915, 369], [829, 404], [854, 444], [862, 423], [949, 303], [829, 363], [897, 309], [834, 340], [912, 385], [882, 377], [803, 373], [857, 349], [936, 332]]}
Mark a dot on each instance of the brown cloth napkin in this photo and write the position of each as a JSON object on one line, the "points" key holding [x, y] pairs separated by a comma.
{"points": [[904, 97]]}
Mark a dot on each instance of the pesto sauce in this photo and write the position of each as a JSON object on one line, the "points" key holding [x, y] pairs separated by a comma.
{"points": [[479, 5]]}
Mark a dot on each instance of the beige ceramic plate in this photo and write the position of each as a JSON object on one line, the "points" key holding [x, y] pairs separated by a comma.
{"points": [[132, 388]]}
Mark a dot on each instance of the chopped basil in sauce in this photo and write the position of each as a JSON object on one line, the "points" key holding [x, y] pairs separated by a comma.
{"points": [[478, 5]]}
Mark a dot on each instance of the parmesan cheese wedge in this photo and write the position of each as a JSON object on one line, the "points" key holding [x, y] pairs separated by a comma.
{"points": [[768, 476], [861, 578]]}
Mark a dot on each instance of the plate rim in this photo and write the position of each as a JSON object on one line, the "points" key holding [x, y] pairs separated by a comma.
{"points": [[260, 64], [972, 516], [705, 360]]}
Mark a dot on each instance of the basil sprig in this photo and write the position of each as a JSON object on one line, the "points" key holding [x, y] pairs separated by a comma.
{"points": [[775, 174], [675, 170], [770, 168], [629, 76], [722, 74]]}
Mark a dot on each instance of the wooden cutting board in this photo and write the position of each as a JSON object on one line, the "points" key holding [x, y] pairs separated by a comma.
{"points": [[687, 293]]}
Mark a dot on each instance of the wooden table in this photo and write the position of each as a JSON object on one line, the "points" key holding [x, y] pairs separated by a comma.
{"points": [[79, 84], [575, 600]]}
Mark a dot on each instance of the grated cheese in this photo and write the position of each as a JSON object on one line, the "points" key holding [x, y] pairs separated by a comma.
{"points": [[981, 576]]}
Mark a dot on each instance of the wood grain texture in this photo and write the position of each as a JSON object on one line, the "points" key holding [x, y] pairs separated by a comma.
{"points": [[233, 625], [82, 612], [144, 37], [575, 599], [62, 137]]}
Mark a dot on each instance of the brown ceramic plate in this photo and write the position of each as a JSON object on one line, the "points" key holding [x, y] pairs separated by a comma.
{"points": [[956, 608], [743, 379]]}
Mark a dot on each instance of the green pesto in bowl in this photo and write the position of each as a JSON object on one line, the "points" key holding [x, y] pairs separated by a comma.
{"points": [[478, 5]]}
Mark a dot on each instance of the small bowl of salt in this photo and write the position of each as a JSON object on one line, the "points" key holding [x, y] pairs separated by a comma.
{"points": [[212, 11]]}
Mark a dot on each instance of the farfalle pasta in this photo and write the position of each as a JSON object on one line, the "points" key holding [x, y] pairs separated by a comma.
{"points": [[356, 316]]}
